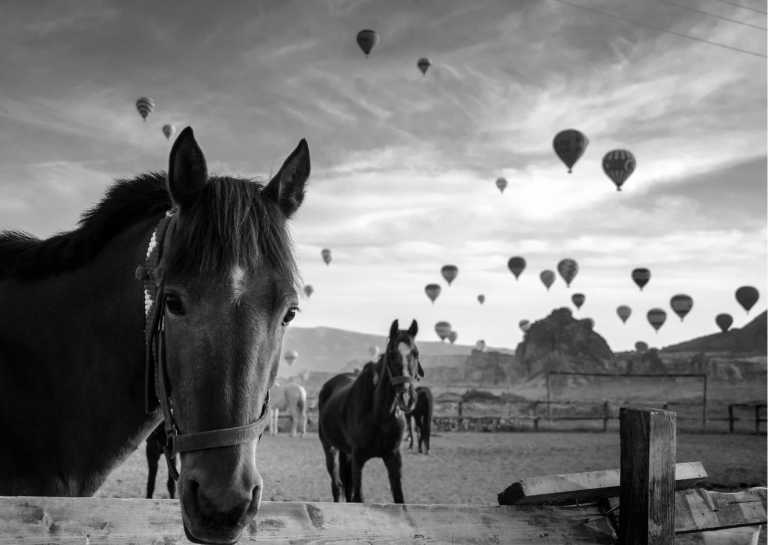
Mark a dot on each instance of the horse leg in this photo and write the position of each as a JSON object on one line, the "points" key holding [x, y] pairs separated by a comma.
{"points": [[345, 472], [356, 470], [394, 463], [153, 455], [294, 422], [408, 418], [303, 421], [332, 465], [426, 431]]}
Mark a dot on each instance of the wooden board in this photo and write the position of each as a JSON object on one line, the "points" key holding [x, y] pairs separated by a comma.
{"points": [[706, 510], [108, 521], [587, 486]]}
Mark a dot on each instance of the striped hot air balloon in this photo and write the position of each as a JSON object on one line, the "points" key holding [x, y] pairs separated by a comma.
{"points": [[480, 298], [168, 130], [657, 317], [452, 336], [367, 40], [681, 304], [145, 105], [747, 296], [516, 265], [569, 146], [578, 299], [524, 325], [423, 65], [547, 278], [641, 276], [501, 184], [624, 312], [641, 346], [724, 321], [325, 253], [480, 345], [291, 356], [432, 291], [568, 269], [449, 272], [309, 290], [443, 329], [619, 165]]}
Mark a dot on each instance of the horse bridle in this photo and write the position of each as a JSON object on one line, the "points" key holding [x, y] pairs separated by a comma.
{"points": [[393, 380], [157, 385]]}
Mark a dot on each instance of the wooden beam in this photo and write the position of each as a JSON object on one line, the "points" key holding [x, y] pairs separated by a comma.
{"points": [[113, 521], [647, 477], [587, 486]]}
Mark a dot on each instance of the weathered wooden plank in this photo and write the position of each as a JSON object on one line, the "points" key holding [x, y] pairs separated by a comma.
{"points": [[701, 510], [748, 535], [111, 521], [647, 477], [586, 486], [707, 510]]}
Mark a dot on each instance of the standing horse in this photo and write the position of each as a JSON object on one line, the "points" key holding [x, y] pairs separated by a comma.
{"points": [[422, 417], [155, 448], [89, 344], [289, 397], [361, 417]]}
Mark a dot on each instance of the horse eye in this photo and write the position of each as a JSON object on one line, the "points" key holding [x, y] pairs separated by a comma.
{"points": [[174, 305], [290, 315]]}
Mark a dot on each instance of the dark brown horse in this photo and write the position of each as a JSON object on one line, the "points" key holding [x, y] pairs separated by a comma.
{"points": [[73, 352], [421, 417], [361, 417], [156, 443]]}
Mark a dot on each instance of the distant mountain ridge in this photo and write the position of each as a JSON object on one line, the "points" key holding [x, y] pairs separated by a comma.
{"points": [[750, 339], [328, 349]]}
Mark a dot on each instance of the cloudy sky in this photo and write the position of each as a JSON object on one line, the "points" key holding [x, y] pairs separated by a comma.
{"points": [[403, 165]]}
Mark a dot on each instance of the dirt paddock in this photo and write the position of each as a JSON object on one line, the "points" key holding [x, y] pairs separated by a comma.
{"points": [[464, 467]]}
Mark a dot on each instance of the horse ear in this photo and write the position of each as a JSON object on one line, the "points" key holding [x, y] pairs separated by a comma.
{"points": [[187, 170], [393, 329], [414, 329], [287, 187]]}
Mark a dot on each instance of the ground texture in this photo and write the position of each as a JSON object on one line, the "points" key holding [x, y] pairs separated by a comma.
{"points": [[464, 467]]}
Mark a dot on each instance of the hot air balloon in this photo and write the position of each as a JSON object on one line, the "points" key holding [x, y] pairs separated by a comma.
{"points": [[481, 298], [452, 336], [747, 296], [432, 291], [516, 265], [480, 345], [326, 255], [619, 165], [373, 351], [309, 290], [641, 346], [423, 65], [145, 105], [525, 325], [578, 299], [168, 130], [367, 39], [724, 321], [569, 145], [568, 269], [291, 356], [547, 278], [501, 183], [449, 272], [641, 276], [624, 312], [657, 317], [443, 329], [681, 304]]}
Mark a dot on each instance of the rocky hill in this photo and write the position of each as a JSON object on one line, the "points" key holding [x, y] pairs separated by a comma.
{"points": [[560, 342], [750, 339]]}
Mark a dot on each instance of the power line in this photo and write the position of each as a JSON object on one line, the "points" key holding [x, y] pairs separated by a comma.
{"points": [[742, 6], [660, 29], [713, 15]]}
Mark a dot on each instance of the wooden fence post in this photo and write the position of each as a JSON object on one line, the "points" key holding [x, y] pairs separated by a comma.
{"points": [[549, 414], [606, 415], [704, 405], [730, 418], [647, 482], [757, 418]]}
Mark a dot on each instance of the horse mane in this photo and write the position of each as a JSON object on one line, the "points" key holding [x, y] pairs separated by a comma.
{"points": [[228, 224]]}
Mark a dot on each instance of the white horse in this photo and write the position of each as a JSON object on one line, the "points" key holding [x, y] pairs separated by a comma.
{"points": [[289, 397]]}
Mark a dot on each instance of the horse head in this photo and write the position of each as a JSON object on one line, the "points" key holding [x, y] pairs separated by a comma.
{"points": [[401, 364], [226, 292]]}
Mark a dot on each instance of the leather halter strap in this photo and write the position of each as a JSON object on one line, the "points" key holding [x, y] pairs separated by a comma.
{"points": [[157, 386]]}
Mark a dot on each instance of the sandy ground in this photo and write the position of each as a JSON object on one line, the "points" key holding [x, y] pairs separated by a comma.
{"points": [[463, 467]]}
